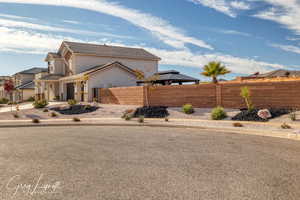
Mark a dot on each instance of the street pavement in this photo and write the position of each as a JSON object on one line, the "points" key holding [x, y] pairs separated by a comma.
{"points": [[139, 163]]}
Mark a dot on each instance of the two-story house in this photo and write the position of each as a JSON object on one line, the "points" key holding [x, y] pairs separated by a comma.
{"points": [[24, 83], [76, 69]]}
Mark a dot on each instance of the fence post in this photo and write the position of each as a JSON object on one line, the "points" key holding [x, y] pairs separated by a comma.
{"points": [[219, 94]]}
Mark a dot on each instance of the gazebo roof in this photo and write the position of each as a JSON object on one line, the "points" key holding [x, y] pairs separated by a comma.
{"points": [[172, 75]]}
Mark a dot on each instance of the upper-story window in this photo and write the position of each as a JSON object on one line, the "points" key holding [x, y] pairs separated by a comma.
{"points": [[51, 66]]}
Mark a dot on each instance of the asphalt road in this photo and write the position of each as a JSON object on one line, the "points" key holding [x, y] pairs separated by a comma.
{"points": [[136, 163]]}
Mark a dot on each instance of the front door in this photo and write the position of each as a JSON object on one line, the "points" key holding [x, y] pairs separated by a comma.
{"points": [[70, 91]]}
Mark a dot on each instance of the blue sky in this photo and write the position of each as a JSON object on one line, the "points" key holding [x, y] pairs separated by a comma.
{"points": [[247, 36]]}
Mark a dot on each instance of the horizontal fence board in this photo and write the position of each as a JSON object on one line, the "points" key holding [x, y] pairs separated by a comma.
{"points": [[263, 94]]}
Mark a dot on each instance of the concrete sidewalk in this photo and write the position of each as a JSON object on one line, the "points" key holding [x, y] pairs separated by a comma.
{"points": [[251, 128]]}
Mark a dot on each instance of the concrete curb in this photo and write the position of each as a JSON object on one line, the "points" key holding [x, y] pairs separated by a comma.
{"points": [[128, 124]]}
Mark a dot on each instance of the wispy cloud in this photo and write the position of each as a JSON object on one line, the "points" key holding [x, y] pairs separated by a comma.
{"points": [[285, 12], [234, 32], [227, 7], [288, 48], [159, 27], [34, 26], [71, 22], [16, 17]]}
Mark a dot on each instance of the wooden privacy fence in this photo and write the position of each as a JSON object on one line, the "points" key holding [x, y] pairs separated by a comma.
{"points": [[285, 94]]}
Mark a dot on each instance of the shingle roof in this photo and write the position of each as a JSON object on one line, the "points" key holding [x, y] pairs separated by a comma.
{"points": [[28, 85], [51, 77], [111, 51], [34, 70], [278, 73], [98, 68]]}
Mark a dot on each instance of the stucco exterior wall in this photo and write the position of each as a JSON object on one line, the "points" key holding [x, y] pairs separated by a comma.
{"points": [[111, 77], [82, 63]]}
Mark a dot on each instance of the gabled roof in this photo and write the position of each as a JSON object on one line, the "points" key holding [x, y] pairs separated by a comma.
{"points": [[109, 51], [34, 70], [98, 69], [28, 85], [51, 77]]}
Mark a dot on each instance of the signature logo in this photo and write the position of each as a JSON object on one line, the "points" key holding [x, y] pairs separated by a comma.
{"points": [[14, 186]]}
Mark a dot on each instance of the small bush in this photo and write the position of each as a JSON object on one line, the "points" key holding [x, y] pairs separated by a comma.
{"points": [[128, 117], [56, 98], [16, 115], [76, 119], [12, 103], [45, 110], [35, 121], [53, 114], [218, 113], [31, 99], [129, 112], [293, 116], [72, 102], [237, 124], [285, 126], [246, 94], [167, 119], [4, 101], [188, 109], [141, 119], [40, 104]]}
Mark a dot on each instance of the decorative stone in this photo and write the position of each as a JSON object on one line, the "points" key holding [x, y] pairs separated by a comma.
{"points": [[264, 114]]}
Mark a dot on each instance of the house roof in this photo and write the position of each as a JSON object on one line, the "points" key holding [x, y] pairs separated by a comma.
{"points": [[171, 75], [98, 69], [110, 51], [51, 77], [277, 73], [34, 70], [28, 85]]}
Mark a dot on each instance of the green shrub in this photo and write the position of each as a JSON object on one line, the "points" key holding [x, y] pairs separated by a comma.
{"points": [[40, 104], [166, 119], [293, 116], [16, 115], [12, 103], [128, 117], [56, 98], [4, 101], [129, 112], [72, 102], [141, 119], [188, 109], [45, 110], [53, 114], [218, 113], [31, 99], [35, 121], [76, 119], [285, 126]]}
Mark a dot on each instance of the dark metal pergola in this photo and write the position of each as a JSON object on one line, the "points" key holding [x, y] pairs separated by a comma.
{"points": [[169, 78]]}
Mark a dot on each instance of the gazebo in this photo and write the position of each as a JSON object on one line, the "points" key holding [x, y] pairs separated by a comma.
{"points": [[168, 78]]}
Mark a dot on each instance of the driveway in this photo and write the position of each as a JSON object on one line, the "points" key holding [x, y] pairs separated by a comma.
{"points": [[145, 163]]}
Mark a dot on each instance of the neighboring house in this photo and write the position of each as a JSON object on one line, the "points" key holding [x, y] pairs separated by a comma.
{"points": [[76, 70], [273, 74], [24, 83], [3, 94]]}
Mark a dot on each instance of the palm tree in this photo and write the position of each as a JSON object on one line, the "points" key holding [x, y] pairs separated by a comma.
{"points": [[213, 70]]}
